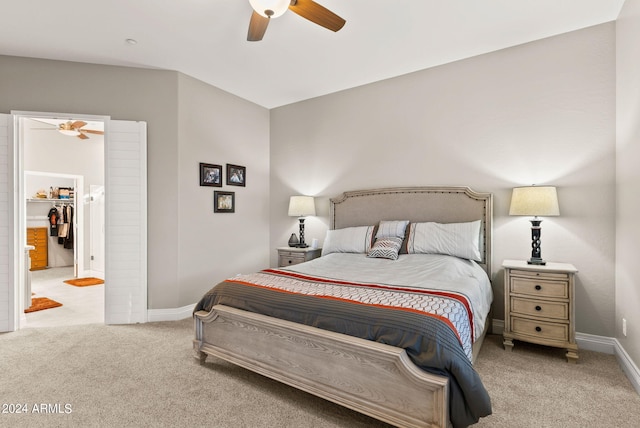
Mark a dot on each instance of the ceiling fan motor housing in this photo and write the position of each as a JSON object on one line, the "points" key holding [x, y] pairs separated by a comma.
{"points": [[270, 8]]}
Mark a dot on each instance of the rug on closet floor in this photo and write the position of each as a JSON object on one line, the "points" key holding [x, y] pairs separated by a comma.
{"points": [[84, 282], [41, 303]]}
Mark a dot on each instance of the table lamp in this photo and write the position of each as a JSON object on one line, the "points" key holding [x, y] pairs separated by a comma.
{"points": [[301, 206], [535, 201]]}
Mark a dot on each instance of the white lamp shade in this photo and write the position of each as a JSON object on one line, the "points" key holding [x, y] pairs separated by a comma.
{"points": [[270, 8], [535, 201], [300, 206]]}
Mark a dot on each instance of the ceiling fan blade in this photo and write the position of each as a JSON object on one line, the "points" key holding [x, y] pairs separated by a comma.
{"points": [[92, 131], [82, 136], [78, 124], [317, 14], [257, 27]]}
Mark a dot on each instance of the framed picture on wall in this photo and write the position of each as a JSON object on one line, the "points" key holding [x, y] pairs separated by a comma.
{"points": [[210, 175], [224, 202], [236, 175]]}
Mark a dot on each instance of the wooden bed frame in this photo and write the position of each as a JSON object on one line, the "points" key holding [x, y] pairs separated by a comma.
{"points": [[372, 378]]}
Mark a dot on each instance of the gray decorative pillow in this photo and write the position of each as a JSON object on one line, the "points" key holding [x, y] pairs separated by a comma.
{"points": [[386, 248], [393, 229]]}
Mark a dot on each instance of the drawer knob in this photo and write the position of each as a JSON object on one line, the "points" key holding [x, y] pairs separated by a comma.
{"points": [[290, 261], [538, 287], [538, 329], [538, 308]]}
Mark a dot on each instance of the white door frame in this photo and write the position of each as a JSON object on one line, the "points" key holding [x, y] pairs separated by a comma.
{"points": [[96, 233], [20, 201], [7, 228], [125, 251]]}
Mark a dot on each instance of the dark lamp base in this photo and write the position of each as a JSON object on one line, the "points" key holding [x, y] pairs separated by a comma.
{"points": [[536, 261], [301, 246]]}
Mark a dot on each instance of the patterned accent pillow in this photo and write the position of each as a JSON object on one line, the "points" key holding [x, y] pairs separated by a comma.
{"points": [[393, 229], [386, 248]]}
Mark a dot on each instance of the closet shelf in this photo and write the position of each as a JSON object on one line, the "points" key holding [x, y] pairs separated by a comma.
{"points": [[67, 201]]}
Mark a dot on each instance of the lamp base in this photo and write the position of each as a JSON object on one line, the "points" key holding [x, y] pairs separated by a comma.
{"points": [[301, 246], [536, 261]]}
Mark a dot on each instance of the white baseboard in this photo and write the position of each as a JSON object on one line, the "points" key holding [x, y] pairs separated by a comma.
{"points": [[628, 366], [590, 342], [173, 314], [603, 344]]}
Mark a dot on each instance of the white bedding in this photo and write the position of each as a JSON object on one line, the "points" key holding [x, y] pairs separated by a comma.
{"points": [[430, 271]]}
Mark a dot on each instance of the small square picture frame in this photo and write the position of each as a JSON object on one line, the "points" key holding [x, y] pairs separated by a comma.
{"points": [[224, 202], [210, 175], [236, 175]]}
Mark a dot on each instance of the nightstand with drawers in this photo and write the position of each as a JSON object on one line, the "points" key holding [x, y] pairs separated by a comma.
{"points": [[539, 305], [289, 256]]}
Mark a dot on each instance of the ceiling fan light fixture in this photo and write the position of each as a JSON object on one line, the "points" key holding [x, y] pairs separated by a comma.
{"points": [[270, 8], [69, 132]]}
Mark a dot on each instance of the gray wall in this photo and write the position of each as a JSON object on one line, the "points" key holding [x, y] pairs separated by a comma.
{"points": [[154, 96], [218, 128], [627, 290], [541, 113]]}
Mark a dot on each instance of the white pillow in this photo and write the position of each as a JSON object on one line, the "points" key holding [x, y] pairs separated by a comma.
{"points": [[453, 239], [348, 240]]}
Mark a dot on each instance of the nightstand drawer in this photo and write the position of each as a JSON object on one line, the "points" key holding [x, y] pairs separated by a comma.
{"points": [[540, 329], [540, 308], [540, 275], [286, 260], [288, 256], [540, 287], [287, 253]]}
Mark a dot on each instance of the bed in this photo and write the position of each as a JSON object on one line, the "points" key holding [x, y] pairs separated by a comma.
{"points": [[364, 354]]}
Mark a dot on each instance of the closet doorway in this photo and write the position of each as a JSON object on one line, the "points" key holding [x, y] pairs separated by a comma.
{"points": [[125, 229], [62, 161]]}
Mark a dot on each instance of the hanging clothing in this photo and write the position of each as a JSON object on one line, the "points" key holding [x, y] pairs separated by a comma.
{"points": [[53, 221], [68, 243], [65, 232]]}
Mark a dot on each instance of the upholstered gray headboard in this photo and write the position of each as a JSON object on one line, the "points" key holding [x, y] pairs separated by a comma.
{"points": [[416, 204]]}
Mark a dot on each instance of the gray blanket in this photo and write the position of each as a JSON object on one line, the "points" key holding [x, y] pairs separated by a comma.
{"points": [[430, 343]]}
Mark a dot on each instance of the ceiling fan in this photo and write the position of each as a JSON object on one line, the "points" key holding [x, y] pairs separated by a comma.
{"points": [[75, 129], [264, 10]]}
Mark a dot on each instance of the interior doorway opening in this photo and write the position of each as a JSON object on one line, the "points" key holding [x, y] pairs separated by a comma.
{"points": [[61, 159]]}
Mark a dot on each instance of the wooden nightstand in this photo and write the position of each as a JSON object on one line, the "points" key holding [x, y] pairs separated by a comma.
{"points": [[289, 256], [539, 305]]}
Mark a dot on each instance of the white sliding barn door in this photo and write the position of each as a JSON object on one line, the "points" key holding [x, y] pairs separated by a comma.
{"points": [[126, 223], [6, 227]]}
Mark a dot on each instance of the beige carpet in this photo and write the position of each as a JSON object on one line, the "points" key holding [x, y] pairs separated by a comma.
{"points": [[144, 376]]}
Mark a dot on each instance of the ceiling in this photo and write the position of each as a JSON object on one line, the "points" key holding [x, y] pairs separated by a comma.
{"points": [[297, 59]]}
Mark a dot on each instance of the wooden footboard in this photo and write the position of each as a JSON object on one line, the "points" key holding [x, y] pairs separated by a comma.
{"points": [[371, 378]]}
